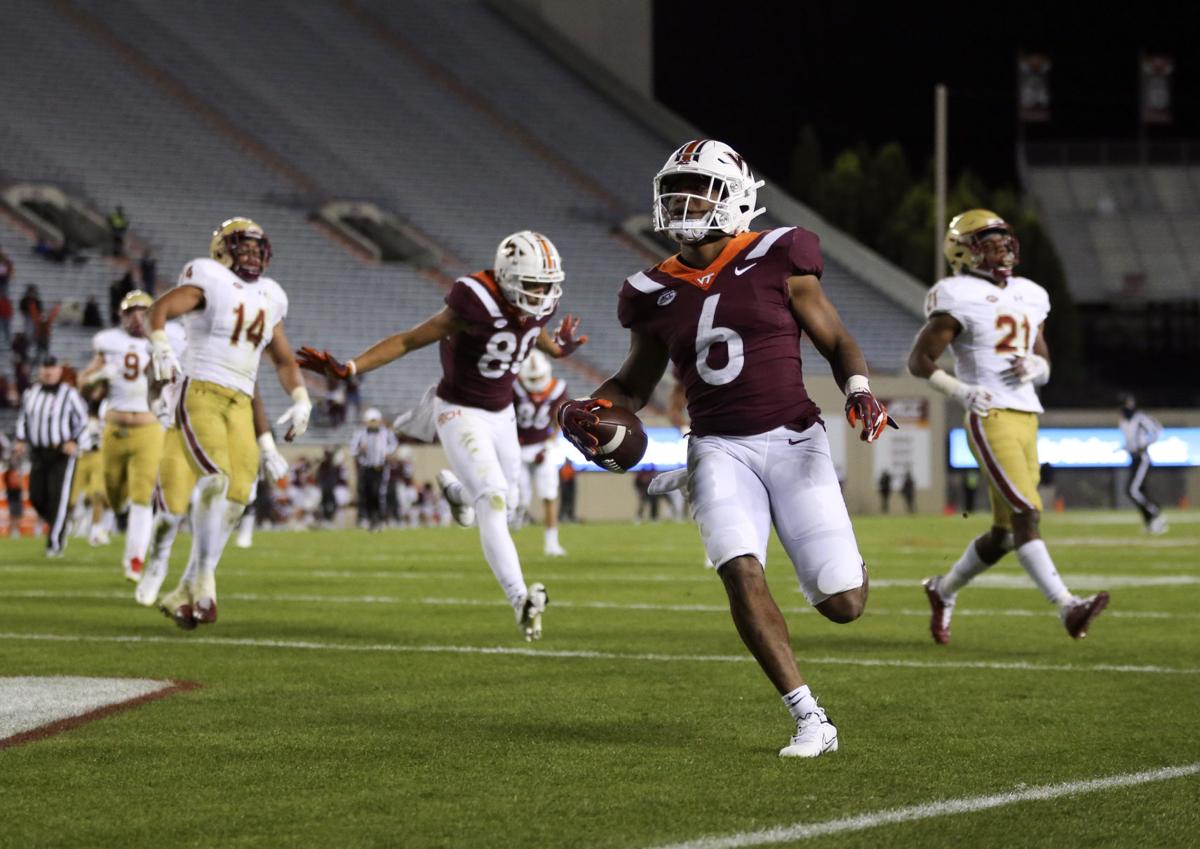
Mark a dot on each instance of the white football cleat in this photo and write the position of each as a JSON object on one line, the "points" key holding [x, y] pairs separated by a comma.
{"points": [[153, 576], [177, 606], [452, 491], [98, 537], [530, 610], [1157, 526], [554, 550], [815, 735], [133, 569]]}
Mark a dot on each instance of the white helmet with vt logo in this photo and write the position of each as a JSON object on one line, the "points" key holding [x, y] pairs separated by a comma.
{"points": [[705, 191], [529, 272]]}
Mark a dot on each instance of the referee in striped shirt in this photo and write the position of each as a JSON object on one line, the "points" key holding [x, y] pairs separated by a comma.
{"points": [[371, 447], [52, 418]]}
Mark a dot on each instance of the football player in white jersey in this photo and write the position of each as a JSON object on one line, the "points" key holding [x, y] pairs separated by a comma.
{"points": [[233, 314], [131, 446], [993, 321], [537, 395]]}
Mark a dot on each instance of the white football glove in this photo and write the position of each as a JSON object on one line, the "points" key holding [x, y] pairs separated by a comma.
{"points": [[297, 415], [975, 398], [163, 362], [164, 405], [273, 464], [1033, 369]]}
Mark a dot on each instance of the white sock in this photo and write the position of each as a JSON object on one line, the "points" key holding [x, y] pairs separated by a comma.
{"points": [[213, 520], [246, 528], [162, 538], [551, 537], [968, 567], [800, 702], [137, 533], [498, 547], [108, 521], [1035, 559]]}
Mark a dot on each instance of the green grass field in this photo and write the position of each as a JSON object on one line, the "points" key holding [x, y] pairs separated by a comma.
{"points": [[372, 690]]}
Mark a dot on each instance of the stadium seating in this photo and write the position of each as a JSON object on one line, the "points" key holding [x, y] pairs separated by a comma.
{"points": [[441, 114]]}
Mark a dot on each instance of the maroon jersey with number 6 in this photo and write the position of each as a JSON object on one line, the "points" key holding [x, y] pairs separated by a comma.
{"points": [[730, 330], [480, 363]]}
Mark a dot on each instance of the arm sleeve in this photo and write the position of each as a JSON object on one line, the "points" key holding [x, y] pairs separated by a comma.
{"points": [[79, 417], [23, 418]]}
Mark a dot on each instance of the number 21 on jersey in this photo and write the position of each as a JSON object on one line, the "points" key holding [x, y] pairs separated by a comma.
{"points": [[1017, 336]]}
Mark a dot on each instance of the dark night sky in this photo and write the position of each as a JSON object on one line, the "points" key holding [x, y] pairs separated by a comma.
{"points": [[751, 73]]}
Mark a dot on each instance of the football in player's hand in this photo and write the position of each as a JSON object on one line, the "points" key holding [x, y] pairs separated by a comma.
{"points": [[622, 439]]}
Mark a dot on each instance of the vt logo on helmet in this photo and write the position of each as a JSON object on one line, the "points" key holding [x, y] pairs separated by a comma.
{"points": [[979, 240], [705, 191], [241, 246], [529, 272]]}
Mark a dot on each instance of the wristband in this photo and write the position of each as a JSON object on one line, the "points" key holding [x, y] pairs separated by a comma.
{"points": [[945, 383], [351, 367], [267, 442], [300, 395], [857, 383]]}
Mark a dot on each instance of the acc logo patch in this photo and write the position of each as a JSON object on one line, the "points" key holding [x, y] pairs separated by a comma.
{"points": [[666, 297]]}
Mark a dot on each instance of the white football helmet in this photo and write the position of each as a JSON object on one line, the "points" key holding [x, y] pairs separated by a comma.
{"points": [[528, 259], [731, 194], [535, 374]]}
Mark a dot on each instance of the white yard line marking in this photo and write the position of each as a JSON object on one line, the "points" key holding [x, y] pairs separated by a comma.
{"points": [[316, 598], [932, 810], [308, 645]]}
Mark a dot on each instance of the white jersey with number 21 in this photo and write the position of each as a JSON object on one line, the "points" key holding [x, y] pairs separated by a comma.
{"points": [[997, 325], [226, 338]]}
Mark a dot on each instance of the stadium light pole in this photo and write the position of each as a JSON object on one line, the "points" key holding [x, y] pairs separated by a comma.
{"points": [[939, 178]]}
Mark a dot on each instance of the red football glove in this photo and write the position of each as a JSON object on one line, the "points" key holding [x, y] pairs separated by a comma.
{"points": [[576, 418], [322, 362], [564, 337], [864, 407]]}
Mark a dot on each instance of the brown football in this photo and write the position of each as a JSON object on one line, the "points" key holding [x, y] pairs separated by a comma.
{"points": [[622, 439]]}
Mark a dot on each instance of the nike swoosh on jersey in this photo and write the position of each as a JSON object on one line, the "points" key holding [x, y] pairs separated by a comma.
{"points": [[738, 272], [797, 441]]}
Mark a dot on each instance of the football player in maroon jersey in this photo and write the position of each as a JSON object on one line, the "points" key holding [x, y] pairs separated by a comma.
{"points": [[491, 321], [537, 395], [727, 311]]}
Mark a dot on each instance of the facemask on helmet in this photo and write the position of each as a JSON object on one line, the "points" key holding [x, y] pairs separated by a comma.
{"points": [[529, 272], [535, 374], [229, 247], [979, 240], [705, 190]]}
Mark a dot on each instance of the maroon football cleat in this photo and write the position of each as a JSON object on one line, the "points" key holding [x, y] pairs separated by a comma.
{"points": [[940, 610], [181, 616], [1079, 616], [205, 611]]}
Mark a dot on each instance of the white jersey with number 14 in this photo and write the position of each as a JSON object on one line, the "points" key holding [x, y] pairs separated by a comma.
{"points": [[226, 338], [998, 324]]}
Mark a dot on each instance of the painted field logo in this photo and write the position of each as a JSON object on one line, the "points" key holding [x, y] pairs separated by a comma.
{"points": [[35, 707]]}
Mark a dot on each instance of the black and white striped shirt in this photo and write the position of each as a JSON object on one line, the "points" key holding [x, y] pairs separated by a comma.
{"points": [[373, 447], [51, 416]]}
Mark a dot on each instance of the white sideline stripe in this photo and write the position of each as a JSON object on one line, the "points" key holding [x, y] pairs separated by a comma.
{"points": [[1080, 581], [313, 598], [931, 810], [583, 654]]}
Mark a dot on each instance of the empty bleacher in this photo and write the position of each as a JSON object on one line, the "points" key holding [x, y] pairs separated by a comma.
{"points": [[438, 112]]}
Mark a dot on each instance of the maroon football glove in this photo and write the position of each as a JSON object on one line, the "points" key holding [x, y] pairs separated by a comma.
{"points": [[322, 362], [576, 418], [865, 407], [564, 337]]}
